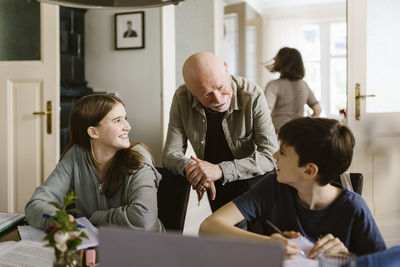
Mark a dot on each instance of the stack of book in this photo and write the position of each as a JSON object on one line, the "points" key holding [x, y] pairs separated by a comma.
{"points": [[9, 219]]}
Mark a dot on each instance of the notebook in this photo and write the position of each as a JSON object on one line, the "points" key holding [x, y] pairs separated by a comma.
{"points": [[31, 233], [124, 247], [9, 219]]}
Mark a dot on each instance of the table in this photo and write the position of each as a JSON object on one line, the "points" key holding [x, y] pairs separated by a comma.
{"points": [[12, 234]]}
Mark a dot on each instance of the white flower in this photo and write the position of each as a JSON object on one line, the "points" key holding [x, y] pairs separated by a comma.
{"points": [[61, 238], [74, 234], [62, 247]]}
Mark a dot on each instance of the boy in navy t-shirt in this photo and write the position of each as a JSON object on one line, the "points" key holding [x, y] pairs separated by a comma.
{"points": [[299, 198]]}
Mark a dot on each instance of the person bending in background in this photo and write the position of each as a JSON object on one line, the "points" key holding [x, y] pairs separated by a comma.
{"points": [[300, 198], [226, 120], [114, 179], [287, 95]]}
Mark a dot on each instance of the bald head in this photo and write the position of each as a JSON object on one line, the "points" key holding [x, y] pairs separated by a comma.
{"points": [[208, 79], [203, 65]]}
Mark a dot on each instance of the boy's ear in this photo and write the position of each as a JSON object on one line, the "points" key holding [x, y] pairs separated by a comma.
{"points": [[310, 171], [92, 132]]}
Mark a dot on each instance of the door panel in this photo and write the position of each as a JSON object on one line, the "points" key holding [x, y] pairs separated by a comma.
{"points": [[26, 96], [27, 152], [377, 131], [383, 55]]}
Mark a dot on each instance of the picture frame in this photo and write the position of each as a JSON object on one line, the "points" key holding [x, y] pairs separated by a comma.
{"points": [[129, 30]]}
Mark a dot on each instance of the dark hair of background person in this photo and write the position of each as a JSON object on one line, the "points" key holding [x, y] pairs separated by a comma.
{"points": [[89, 111], [324, 142], [289, 63]]}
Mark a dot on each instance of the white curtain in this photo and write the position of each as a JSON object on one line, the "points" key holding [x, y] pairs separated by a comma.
{"points": [[278, 33]]}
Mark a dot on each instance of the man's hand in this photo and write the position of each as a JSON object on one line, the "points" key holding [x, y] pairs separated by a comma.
{"points": [[291, 248], [199, 173], [210, 186], [329, 244]]}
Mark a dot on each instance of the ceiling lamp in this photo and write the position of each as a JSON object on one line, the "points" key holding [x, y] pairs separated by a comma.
{"points": [[117, 4]]}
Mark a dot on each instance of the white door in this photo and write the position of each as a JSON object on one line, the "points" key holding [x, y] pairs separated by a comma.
{"points": [[28, 151], [373, 63]]}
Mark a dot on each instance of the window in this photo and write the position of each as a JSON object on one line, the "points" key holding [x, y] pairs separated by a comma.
{"points": [[231, 42], [251, 53], [324, 55]]}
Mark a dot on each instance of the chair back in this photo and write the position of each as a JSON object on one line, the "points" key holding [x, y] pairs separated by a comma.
{"points": [[172, 199], [353, 181]]}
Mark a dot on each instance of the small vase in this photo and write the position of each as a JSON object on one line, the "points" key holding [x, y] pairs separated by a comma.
{"points": [[68, 259]]}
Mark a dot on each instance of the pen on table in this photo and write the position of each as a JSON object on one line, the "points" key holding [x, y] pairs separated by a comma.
{"points": [[47, 216], [280, 232]]}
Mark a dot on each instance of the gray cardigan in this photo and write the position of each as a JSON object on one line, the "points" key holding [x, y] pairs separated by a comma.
{"points": [[134, 205]]}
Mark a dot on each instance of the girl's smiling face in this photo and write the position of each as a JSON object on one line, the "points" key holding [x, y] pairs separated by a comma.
{"points": [[114, 128]]}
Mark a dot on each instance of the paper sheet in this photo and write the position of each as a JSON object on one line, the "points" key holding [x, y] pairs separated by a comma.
{"points": [[26, 253], [91, 231], [31, 233], [5, 244], [35, 234], [305, 245]]}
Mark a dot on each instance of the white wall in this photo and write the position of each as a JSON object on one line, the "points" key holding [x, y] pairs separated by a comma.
{"points": [[134, 75], [168, 57], [199, 27], [142, 78]]}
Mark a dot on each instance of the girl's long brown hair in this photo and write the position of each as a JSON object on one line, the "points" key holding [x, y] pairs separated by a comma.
{"points": [[289, 63], [89, 111]]}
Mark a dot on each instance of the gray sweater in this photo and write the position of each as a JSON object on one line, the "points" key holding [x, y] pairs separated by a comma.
{"points": [[287, 99], [134, 205]]}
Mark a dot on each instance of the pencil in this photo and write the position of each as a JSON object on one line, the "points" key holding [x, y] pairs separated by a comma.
{"points": [[280, 232], [273, 226]]}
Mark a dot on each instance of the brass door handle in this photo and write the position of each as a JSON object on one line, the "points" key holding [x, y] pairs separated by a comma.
{"points": [[364, 96], [40, 113], [358, 97], [48, 114]]}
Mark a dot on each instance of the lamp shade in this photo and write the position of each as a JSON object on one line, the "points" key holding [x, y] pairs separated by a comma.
{"points": [[117, 4]]}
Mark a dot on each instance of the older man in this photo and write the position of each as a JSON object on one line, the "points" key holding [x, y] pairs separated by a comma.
{"points": [[227, 121]]}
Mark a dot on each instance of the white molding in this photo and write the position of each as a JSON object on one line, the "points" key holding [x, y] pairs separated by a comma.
{"points": [[168, 66], [10, 158]]}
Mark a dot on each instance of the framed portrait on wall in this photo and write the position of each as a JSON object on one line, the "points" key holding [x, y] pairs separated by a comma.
{"points": [[129, 30]]}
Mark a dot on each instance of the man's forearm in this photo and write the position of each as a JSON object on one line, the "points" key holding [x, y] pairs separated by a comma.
{"points": [[246, 168], [176, 163]]}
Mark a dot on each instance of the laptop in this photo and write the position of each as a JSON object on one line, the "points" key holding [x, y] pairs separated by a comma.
{"points": [[124, 247]]}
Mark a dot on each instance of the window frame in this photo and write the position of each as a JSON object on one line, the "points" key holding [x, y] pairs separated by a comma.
{"points": [[325, 62]]}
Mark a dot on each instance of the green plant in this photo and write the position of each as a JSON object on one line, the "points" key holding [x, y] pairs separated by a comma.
{"points": [[63, 233]]}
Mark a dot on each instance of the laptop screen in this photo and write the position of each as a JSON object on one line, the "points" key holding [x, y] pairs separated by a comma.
{"points": [[123, 247]]}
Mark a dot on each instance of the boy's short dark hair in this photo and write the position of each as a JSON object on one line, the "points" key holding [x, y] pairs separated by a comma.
{"points": [[324, 142]]}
